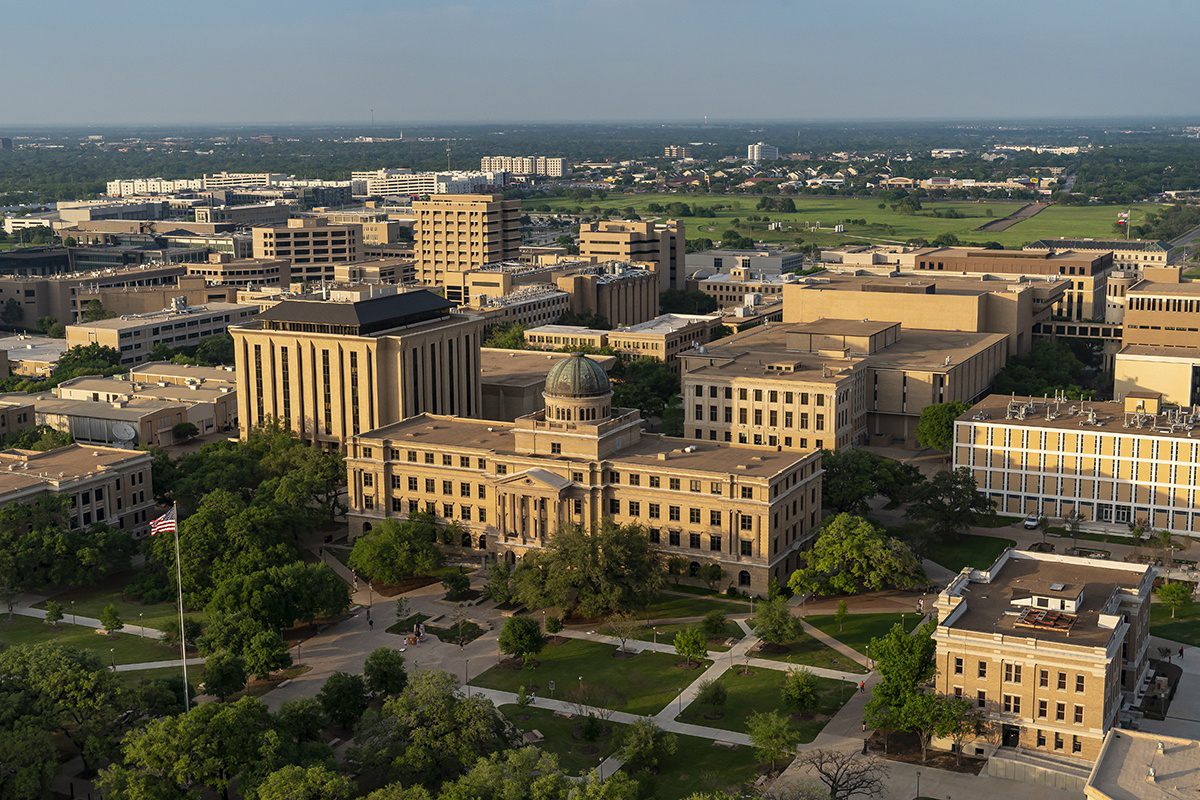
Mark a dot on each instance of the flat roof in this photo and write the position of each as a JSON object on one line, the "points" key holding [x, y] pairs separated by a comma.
{"points": [[989, 596], [988, 283], [500, 367], [1154, 287], [168, 370], [33, 348], [666, 323], [428, 430], [23, 469], [132, 411], [1181, 353], [1122, 769], [1100, 244], [166, 315], [843, 327], [172, 393], [1071, 415], [563, 330]]}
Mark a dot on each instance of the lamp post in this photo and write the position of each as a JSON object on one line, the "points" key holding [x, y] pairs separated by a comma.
{"points": [[298, 662], [467, 675], [918, 783], [680, 690], [142, 626], [656, 638], [112, 652], [370, 594], [72, 612]]}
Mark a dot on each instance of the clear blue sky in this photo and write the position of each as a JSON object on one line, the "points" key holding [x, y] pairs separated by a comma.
{"points": [[297, 61]]}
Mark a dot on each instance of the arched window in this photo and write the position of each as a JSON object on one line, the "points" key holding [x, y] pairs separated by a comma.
{"points": [[743, 578], [483, 542], [366, 527], [466, 539]]}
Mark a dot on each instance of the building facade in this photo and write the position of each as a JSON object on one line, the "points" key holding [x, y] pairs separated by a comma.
{"points": [[460, 232], [135, 335], [511, 486], [660, 244], [311, 245], [761, 151]]}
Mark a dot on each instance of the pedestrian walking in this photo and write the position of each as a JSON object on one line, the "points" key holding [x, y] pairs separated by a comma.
{"points": [[864, 726], [862, 687], [1181, 654], [370, 623]]}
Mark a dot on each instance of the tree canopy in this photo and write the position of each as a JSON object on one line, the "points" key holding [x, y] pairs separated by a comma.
{"points": [[396, 550], [852, 555], [935, 428], [948, 505]]}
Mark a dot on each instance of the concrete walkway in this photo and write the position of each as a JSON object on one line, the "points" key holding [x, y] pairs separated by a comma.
{"points": [[1183, 717], [191, 662], [25, 609]]}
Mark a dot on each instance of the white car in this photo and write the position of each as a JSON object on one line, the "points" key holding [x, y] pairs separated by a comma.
{"points": [[1031, 522]]}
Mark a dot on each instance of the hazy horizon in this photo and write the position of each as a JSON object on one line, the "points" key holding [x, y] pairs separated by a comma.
{"points": [[628, 61]]}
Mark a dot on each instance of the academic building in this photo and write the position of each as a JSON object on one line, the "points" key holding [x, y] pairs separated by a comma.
{"points": [[660, 244], [459, 232], [1114, 463], [1160, 339], [511, 485], [311, 245], [1049, 647], [331, 370]]}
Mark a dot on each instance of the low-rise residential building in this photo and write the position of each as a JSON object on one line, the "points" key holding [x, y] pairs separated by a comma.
{"points": [[135, 335], [1112, 463], [106, 485], [1048, 646], [511, 486]]}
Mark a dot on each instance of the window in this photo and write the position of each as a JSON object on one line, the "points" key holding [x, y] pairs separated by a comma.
{"points": [[368, 480], [614, 477], [397, 504], [673, 484], [714, 517], [482, 493], [1062, 681], [1012, 704], [1044, 679], [397, 481], [412, 484], [694, 486], [1012, 673], [747, 492], [501, 469], [555, 448], [982, 669], [614, 506], [714, 543], [694, 541], [746, 523], [368, 502], [981, 698], [1041, 709], [429, 485], [412, 456], [465, 512], [747, 547], [694, 516], [577, 477], [447, 487], [635, 508], [1041, 738], [1076, 745], [464, 489], [654, 481], [653, 511], [1078, 715], [447, 460], [464, 461], [673, 513], [635, 479], [1079, 683], [576, 506], [1060, 712], [958, 666], [673, 538], [1058, 741], [447, 510], [654, 536]]}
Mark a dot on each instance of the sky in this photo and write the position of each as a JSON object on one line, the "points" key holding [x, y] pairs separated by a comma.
{"points": [[128, 62]]}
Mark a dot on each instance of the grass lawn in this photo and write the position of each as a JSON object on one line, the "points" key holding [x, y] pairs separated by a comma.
{"points": [[1185, 628], [404, 626], [998, 521], [700, 766], [760, 691], [666, 634], [859, 629], [91, 600], [128, 649], [671, 606], [467, 630], [195, 674], [575, 756], [811, 653], [704, 591], [968, 551], [644, 684]]}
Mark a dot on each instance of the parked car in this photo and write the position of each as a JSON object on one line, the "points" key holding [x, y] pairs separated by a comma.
{"points": [[1031, 522]]}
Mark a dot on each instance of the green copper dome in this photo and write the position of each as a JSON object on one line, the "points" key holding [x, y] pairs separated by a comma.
{"points": [[577, 376]]}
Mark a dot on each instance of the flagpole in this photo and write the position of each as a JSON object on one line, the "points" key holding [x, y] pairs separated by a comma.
{"points": [[187, 701]]}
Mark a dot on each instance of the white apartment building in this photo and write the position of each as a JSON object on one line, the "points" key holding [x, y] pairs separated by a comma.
{"points": [[382, 182], [760, 151], [524, 165]]}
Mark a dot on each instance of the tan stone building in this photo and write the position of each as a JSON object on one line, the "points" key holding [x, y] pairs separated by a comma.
{"points": [[32, 356], [247, 216], [222, 269], [135, 335], [211, 407], [1048, 646], [531, 306], [59, 296], [459, 232], [947, 303], [661, 339], [512, 381], [658, 243], [1114, 463], [830, 383], [622, 293], [107, 485], [313, 246], [329, 371], [580, 461]]}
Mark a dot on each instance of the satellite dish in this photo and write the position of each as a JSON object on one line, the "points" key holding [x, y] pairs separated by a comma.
{"points": [[123, 432]]}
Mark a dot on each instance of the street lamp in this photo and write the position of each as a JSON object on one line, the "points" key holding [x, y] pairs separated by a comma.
{"points": [[142, 626], [112, 651], [370, 593], [656, 638], [298, 662], [72, 612], [680, 690], [918, 783], [467, 675]]}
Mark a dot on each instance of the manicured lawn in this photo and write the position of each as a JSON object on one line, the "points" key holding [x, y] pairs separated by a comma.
{"points": [[760, 691], [1073, 221], [860, 629], [666, 634], [128, 649], [468, 631], [1185, 628], [91, 600], [811, 653], [671, 606], [998, 521], [700, 766], [574, 754], [643, 684], [704, 591], [195, 674], [969, 550]]}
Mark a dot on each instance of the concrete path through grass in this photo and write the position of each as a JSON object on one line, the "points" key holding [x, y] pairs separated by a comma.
{"points": [[25, 609]]}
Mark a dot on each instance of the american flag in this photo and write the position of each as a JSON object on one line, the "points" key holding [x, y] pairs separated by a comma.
{"points": [[164, 524]]}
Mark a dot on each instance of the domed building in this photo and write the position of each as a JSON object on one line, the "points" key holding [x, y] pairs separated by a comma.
{"points": [[579, 461]]}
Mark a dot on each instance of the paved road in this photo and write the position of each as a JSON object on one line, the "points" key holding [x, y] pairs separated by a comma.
{"points": [[1179, 245]]}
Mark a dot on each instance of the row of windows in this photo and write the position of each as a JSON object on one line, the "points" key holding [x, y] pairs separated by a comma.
{"points": [[654, 511], [771, 395], [1012, 674]]}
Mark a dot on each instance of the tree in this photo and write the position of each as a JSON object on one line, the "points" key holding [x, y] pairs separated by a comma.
{"points": [[344, 698], [919, 715], [904, 662], [958, 720], [849, 480], [948, 504], [522, 637], [622, 627], [95, 311], [301, 720], [110, 618], [774, 623], [525, 773], [498, 586], [395, 551], [384, 671], [679, 301], [506, 337], [1174, 596], [845, 774], [800, 690], [12, 313], [305, 783], [711, 693], [691, 645], [714, 623], [935, 428], [772, 736], [184, 431], [456, 584], [839, 616], [192, 631], [646, 384], [711, 574], [224, 674], [54, 612], [852, 555], [645, 745], [265, 653]]}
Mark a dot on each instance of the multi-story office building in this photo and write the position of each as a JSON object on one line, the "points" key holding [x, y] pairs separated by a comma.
{"points": [[1128, 254], [225, 179], [580, 461], [830, 383], [330, 370], [766, 262], [1086, 273], [1160, 338], [135, 335], [761, 151], [530, 306], [1048, 646], [525, 165], [246, 216], [947, 303], [660, 244], [313, 246], [209, 405], [385, 182], [1113, 463], [677, 151], [106, 485], [460, 232], [731, 288], [621, 293], [513, 381], [662, 338], [243, 271], [59, 295], [32, 356], [36, 261]]}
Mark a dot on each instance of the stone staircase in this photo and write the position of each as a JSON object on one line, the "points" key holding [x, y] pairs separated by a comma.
{"points": [[1042, 769]]}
